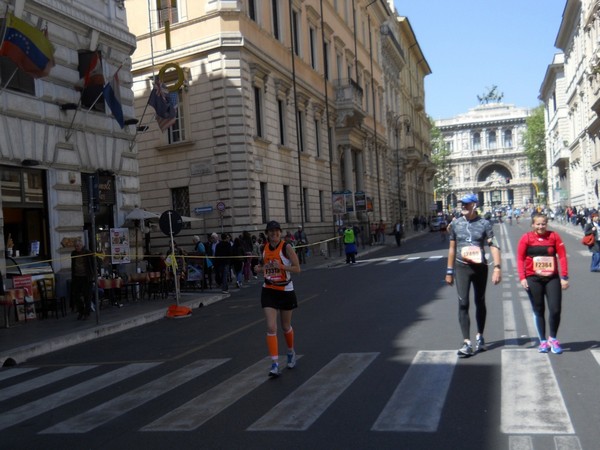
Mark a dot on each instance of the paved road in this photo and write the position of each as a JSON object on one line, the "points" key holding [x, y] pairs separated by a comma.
{"points": [[378, 369]]}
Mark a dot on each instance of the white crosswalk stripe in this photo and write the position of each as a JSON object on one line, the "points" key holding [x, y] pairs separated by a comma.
{"points": [[531, 399], [311, 399], [417, 402], [14, 372], [207, 405], [132, 399], [45, 380], [44, 404]]}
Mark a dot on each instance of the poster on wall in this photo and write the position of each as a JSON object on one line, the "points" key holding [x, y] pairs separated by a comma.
{"points": [[25, 308], [119, 245], [338, 203]]}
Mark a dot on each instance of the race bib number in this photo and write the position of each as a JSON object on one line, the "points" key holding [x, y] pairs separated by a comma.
{"points": [[272, 273], [471, 254], [543, 265]]}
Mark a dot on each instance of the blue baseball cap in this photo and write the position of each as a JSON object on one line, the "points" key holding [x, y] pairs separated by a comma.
{"points": [[469, 198]]}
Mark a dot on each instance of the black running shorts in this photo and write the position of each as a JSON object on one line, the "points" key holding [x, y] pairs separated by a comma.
{"points": [[272, 298]]}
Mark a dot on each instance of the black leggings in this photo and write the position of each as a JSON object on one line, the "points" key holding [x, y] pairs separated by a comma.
{"points": [[550, 288], [464, 276]]}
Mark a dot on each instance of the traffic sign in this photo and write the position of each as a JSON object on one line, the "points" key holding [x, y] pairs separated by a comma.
{"points": [[203, 209], [221, 206], [176, 222]]}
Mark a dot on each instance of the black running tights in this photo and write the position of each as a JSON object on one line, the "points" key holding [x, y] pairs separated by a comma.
{"points": [[466, 275], [548, 289]]}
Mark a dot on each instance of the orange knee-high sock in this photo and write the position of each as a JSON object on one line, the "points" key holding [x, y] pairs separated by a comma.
{"points": [[289, 338], [273, 346]]}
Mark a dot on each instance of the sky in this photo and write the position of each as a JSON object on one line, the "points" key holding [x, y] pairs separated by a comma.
{"points": [[473, 45]]}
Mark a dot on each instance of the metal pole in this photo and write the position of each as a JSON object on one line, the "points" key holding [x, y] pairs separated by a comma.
{"points": [[93, 244], [173, 260], [298, 137]]}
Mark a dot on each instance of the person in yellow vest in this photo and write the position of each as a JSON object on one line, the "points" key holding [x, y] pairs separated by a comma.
{"points": [[350, 244], [279, 261]]}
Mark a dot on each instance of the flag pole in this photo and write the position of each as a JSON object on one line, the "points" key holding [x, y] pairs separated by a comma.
{"points": [[69, 133]]}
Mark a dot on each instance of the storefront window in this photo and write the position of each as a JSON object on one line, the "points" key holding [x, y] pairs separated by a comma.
{"points": [[25, 212]]}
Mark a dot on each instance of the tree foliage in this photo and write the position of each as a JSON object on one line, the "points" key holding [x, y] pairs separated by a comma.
{"points": [[439, 154], [534, 143]]}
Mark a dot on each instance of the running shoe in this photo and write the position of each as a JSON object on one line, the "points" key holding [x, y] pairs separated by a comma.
{"points": [[465, 351], [555, 346], [544, 347], [291, 360], [480, 345], [274, 372]]}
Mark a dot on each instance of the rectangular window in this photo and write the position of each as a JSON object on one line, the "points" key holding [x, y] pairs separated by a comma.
{"points": [[306, 208], [339, 66], [176, 132], [181, 202], [275, 12], [296, 32], [367, 93], [252, 9], [313, 47], [91, 96], [258, 111], [286, 204], [318, 137], [263, 202], [322, 206], [167, 10], [492, 140], [281, 115], [300, 131], [20, 81], [508, 139]]}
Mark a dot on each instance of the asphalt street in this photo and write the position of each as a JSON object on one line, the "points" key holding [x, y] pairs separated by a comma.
{"points": [[377, 369]]}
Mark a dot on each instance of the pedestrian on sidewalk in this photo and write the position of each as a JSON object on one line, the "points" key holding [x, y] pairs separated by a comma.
{"points": [[82, 279], [350, 244], [279, 261], [301, 243], [467, 266], [593, 228], [238, 255], [398, 232], [223, 252], [539, 254]]}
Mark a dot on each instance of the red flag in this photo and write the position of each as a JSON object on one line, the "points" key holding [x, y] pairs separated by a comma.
{"points": [[92, 81]]}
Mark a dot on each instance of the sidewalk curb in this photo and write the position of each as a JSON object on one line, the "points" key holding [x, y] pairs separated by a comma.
{"points": [[19, 355]]}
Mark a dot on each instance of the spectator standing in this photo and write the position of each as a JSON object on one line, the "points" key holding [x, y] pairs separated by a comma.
{"points": [[350, 245], [238, 259], [82, 279], [398, 233], [593, 228], [247, 246], [223, 252], [301, 243]]}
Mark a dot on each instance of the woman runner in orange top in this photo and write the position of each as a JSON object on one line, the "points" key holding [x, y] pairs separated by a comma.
{"points": [[279, 260]]}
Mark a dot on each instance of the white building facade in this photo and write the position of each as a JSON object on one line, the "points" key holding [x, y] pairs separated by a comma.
{"points": [[486, 157], [302, 115], [571, 94], [50, 144]]}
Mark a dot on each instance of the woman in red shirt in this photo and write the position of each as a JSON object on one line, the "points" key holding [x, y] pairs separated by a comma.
{"points": [[541, 256]]}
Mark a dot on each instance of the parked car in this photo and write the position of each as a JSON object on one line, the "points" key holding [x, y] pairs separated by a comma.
{"points": [[437, 224]]}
